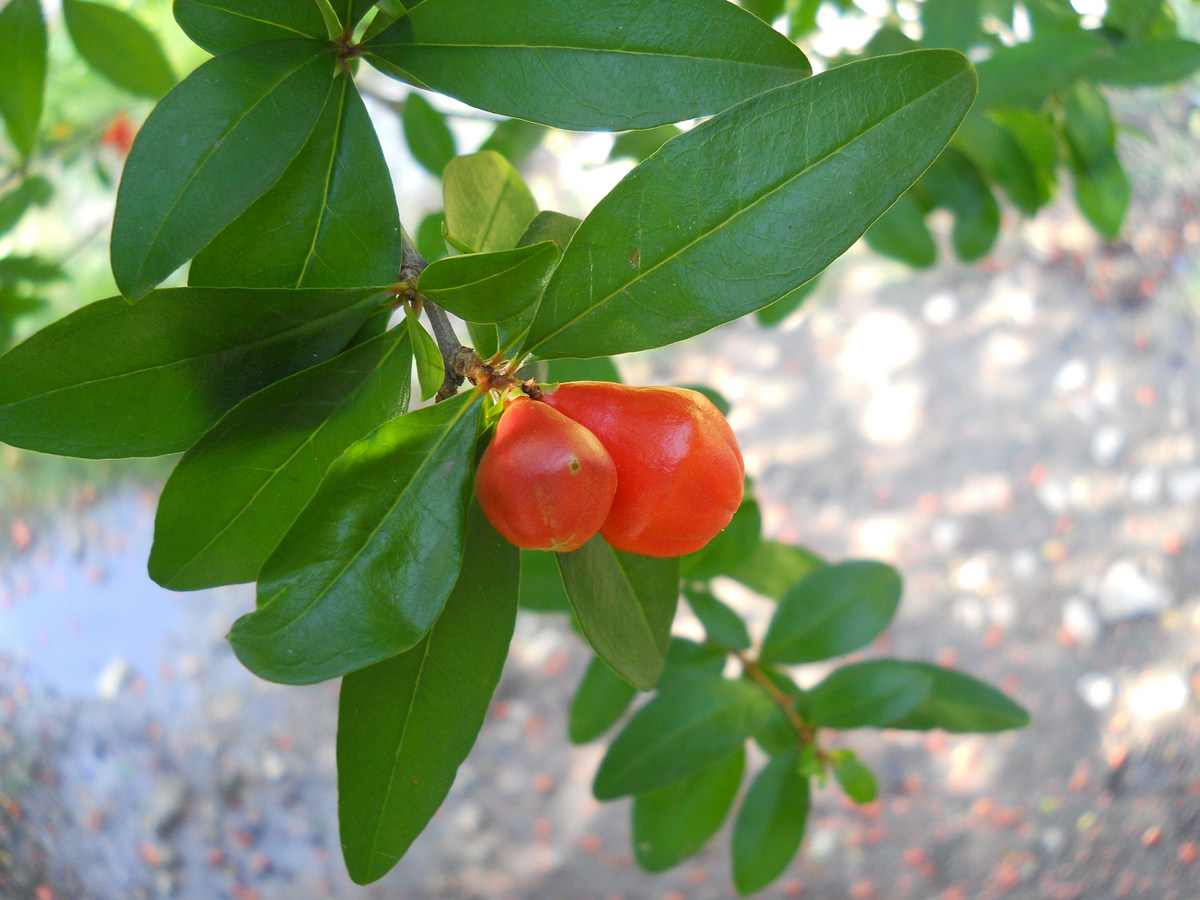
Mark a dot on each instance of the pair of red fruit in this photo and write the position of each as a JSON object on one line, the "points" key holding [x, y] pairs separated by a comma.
{"points": [[655, 470]]}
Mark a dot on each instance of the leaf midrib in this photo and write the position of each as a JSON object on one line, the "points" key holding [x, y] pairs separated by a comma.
{"points": [[642, 273]]}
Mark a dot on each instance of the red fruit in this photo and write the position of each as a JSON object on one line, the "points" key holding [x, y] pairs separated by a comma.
{"points": [[119, 134], [544, 482], [679, 470]]}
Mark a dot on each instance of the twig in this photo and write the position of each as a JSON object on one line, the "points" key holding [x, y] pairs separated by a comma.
{"points": [[751, 668], [412, 264]]}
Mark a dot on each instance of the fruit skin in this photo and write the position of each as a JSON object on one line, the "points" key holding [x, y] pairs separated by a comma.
{"points": [[544, 482], [680, 474]]}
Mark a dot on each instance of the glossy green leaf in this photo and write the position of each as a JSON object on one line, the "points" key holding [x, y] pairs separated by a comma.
{"points": [[515, 139], [601, 698], [1026, 74], [405, 725], [236, 493], [774, 568], [549, 225], [856, 779], [212, 147], [490, 287], [115, 380], [430, 240], [673, 822], [834, 610], [1101, 186], [32, 191], [958, 703], [728, 551], [874, 693], [351, 11], [431, 371], [559, 63], [637, 145], [770, 824], [364, 571], [624, 605], [721, 624], [955, 183], [688, 725], [428, 136], [950, 23], [901, 233], [119, 47], [488, 205], [331, 218], [541, 584], [598, 368], [1000, 156], [776, 312], [223, 25], [23, 37], [765, 167]]}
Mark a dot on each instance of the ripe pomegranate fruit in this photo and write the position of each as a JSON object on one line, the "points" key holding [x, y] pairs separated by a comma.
{"points": [[544, 482], [679, 470]]}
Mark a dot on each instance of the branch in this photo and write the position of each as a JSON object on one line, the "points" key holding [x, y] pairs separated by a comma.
{"points": [[412, 264], [751, 668]]}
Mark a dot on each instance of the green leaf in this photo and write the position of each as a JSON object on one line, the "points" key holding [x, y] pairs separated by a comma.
{"points": [[834, 610], [767, 10], [558, 63], [236, 493], [331, 217], [428, 135], [212, 147], [350, 12], [778, 734], [688, 725], [600, 699], [364, 571], [950, 23], [1101, 186], [1140, 18], [673, 822], [765, 167], [775, 567], [489, 287], [515, 139], [625, 605], [856, 779], [431, 371], [115, 380], [430, 239], [728, 551], [687, 658], [23, 37], [550, 226], [721, 624], [29, 268], [875, 693], [955, 183], [405, 725], [598, 368], [1038, 142], [901, 233], [999, 154], [33, 191], [958, 703], [223, 25], [488, 205], [776, 312], [541, 584], [770, 824], [1026, 74], [637, 145], [119, 47]]}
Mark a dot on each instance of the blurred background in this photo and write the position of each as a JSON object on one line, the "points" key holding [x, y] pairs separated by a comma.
{"points": [[1018, 435]]}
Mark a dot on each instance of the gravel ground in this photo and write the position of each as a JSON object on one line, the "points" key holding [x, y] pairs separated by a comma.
{"points": [[1019, 438]]}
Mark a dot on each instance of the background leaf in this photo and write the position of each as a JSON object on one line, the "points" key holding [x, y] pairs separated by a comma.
{"points": [[763, 167], [856, 779], [428, 136], [119, 47], [673, 822], [959, 703], [875, 693], [541, 584], [331, 216], [405, 725], [600, 699], [23, 37], [955, 183], [488, 205], [364, 571], [722, 625], [1101, 186], [834, 610], [223, 25], [687, 726], [34, 190], [729, 549], [770, 824], [638, 65], [236, 493], [637, 145], [1026, 74], [901, 233], [1152, 62], [431, 371], [774, 567], [115, 380], [211, 147], [624, 605]]}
